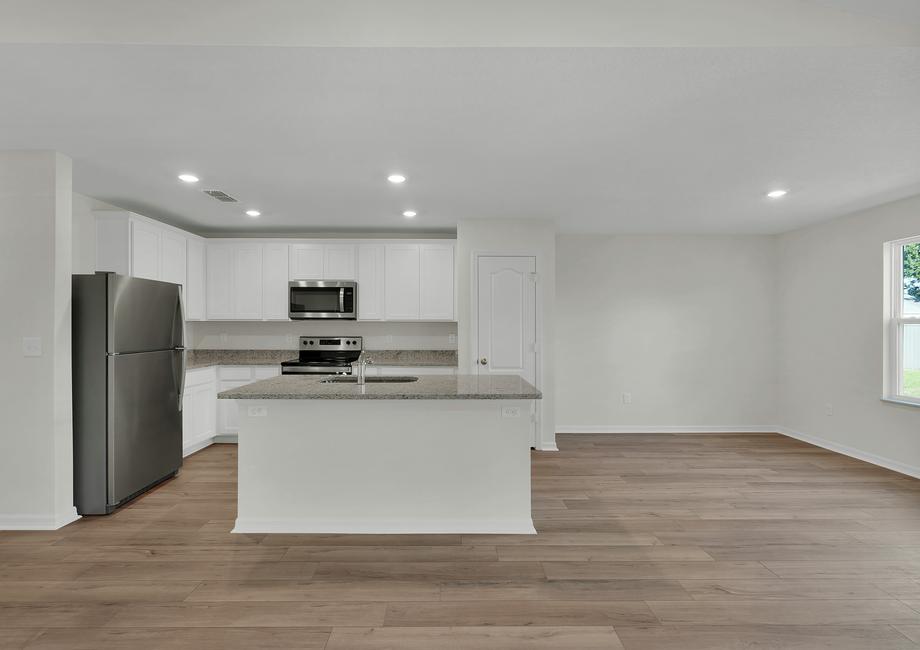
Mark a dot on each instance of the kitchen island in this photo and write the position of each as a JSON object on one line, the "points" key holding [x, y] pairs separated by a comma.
{"points": [[443, 454]]}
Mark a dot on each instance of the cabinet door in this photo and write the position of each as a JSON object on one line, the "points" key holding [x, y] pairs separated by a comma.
{"points": [[247, 282], [228, 410], [339, 262], [145, 250], [275, 282], [195, 274], [401, 292], [199, 411], [436, 292], [370, 282], [306, 262], [220, 282], [172, 259]]}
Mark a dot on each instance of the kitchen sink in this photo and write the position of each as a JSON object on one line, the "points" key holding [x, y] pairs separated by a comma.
{"points": [[403, 379]]}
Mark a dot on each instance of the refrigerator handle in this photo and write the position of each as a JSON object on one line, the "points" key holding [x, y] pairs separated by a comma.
{"points": [[183, 361]]}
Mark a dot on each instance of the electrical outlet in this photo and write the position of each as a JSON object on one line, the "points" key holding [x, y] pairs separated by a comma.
{"points": [[31, 346], [258, 411], [511, 412], [627, 398], [828, 409]]}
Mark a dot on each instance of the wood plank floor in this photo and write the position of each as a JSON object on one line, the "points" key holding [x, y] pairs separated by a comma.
{"points": [[673, 542]]}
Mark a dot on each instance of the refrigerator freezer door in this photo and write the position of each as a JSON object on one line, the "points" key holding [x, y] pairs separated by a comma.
{"points": [[144, 423], [144, 315]]}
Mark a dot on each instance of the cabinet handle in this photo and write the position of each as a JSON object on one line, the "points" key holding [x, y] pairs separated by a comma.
{"points": [[483, 362]]}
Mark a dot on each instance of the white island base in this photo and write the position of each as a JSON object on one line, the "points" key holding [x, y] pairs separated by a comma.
{"points": [[384, 466]]}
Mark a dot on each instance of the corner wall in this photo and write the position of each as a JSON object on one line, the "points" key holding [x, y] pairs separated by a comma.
{"points": [[831, 333], [36, 439]]}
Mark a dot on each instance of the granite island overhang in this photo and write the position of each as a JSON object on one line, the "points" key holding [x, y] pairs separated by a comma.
{"points": [[444, 454]]}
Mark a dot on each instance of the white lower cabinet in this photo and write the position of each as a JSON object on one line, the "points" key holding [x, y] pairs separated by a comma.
{"points": [[203, 415], [230, 377], [199, 409]]}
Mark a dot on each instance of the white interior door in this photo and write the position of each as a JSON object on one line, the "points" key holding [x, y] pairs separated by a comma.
{"points": [[507, 317]]}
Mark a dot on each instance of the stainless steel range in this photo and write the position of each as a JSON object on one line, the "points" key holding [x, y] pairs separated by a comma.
{"points": [[324, 355]]}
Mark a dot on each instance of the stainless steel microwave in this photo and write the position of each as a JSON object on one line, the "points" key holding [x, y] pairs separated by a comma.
{"points": [[320, 299]]}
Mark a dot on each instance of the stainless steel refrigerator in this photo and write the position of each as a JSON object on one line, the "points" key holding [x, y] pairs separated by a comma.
{"points": [[128, 380]]}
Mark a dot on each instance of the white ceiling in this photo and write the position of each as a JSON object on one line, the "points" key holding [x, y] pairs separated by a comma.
{"points": [[599, 140], [467, 23]]}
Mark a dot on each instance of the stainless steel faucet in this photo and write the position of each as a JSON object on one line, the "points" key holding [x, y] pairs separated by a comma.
{"points": [[359, 367]]}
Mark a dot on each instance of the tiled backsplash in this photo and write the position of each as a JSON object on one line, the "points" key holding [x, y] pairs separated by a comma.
{"points": [[284, 335]]}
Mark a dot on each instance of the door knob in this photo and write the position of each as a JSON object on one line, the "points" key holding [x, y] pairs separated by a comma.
{"points": [[483, 361]]}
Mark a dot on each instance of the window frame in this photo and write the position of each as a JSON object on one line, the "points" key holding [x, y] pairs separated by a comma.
{"points": [[896, 320]]}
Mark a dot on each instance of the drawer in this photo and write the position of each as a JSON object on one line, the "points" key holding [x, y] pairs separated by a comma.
{"points": [[266, 372], [416, 370], [235, 373], [200, 376]]}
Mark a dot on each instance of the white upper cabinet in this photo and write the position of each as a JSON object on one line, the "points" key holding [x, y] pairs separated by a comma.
{"points": [[323, 262], [339, 262], [370, 282], [237, 279], [173, 262], [195, 282], [220, 303], [401, 282], [129, 244], [307, 261], [436, 282], [247, 281], [145, 250], [275, 282]]}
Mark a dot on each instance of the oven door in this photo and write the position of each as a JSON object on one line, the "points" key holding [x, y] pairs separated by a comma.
{"points": [[320, 299]]}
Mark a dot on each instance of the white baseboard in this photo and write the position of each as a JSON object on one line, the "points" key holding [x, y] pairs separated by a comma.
{"points": [[633, 428], [547, 446], [198, 445], [881, 461], [38, 522], [364, 527], [226, 438]]}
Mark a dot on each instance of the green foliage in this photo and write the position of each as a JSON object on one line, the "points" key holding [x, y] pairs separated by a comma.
{"points": [[912, 271]]}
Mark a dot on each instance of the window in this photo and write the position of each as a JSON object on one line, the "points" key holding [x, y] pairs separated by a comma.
{"points": [[903, 373]]}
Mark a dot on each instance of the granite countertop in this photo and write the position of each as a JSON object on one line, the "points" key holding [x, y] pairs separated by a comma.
{"points": [[427, 387], [416, 358]]}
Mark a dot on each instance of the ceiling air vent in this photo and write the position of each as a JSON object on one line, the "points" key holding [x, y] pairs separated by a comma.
{"points": [[220, 196]]}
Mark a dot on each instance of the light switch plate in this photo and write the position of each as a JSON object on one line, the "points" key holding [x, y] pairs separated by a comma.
{"points": [[258, 412], [511, 411], [31, 346]]}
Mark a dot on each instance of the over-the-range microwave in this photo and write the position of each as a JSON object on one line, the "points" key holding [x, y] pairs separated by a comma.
{"points": [[320, 299]]}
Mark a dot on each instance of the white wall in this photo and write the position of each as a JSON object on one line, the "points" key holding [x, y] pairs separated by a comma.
{"points": [[512, 236], [283, 335], [36, 439], [685, 324], [831, 293]]}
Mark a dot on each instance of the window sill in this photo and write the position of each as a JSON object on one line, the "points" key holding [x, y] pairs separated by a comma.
{"points": [[901, 402]]}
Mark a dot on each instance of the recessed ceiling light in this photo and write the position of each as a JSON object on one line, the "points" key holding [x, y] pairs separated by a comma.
{"points": [[188, 178], [777, 194], [396, 178], [253, 213], [409, 213]]}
